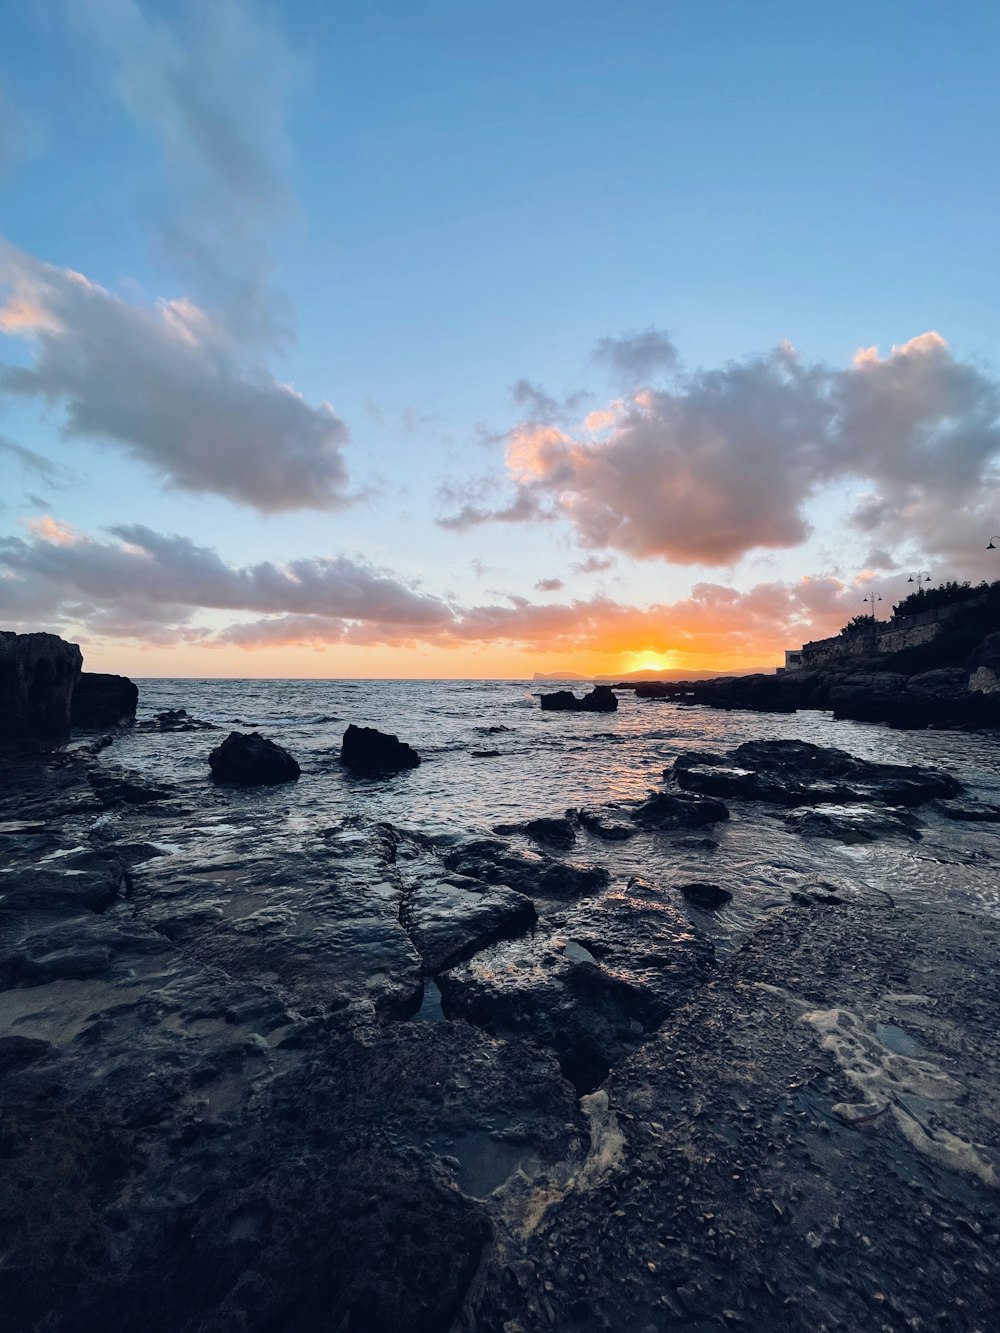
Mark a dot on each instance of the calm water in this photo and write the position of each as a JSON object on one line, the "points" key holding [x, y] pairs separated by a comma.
{"points": [[550, 761]]}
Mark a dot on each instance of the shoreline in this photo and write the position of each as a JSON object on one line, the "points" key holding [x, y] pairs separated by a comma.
{"points": [[801, 1135]]}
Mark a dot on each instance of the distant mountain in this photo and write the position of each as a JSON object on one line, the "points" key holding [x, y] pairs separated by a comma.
{"points": [[676, 673]]}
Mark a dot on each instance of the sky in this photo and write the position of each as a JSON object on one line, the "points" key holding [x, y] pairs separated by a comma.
{"points": [[427, 339]]}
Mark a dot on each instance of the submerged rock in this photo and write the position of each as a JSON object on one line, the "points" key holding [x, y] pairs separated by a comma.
{"points": [[101, 700], [604, 822], [38, 673], [251, 761], [706, 896], [549, 830], [175, 719], [601, 699], [852, 824], [369, 751]]}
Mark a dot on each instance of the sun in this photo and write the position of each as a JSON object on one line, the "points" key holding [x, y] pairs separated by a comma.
{"points": [[647, 661]]}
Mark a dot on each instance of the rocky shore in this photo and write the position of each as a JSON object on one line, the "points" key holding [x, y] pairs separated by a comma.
{"points": [[371, 1079]]}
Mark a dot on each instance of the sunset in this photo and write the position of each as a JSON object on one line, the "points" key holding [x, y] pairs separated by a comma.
{"points": [[540, 382], [499, 666]]}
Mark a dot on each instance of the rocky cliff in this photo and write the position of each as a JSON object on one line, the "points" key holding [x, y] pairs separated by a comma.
{"points": [[38, 673]]}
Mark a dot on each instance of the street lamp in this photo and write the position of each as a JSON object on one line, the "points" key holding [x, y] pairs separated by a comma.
{"points": [[921, 577], [873, 598], [994, 538]]}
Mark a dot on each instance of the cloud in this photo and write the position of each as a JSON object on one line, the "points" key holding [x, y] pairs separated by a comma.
{"points": [[209, 83], [726, 461], [165, 579], [549, 585], [36, 464], [594, 564], [150, 586], [541, 406], [637, 358], [163, 383]]}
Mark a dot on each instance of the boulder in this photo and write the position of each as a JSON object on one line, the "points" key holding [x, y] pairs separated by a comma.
{"points": [[251, 761], [604, 822], [853, 823], [548, 830], [38, 673], [601, 699], [369, 751], [101, 700]]}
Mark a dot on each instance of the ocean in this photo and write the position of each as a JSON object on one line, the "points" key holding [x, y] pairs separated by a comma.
{"points": [[491, 756]]}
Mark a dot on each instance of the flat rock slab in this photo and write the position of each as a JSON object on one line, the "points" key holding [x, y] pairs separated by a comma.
{"points": [[799, 773], [669, 812], [853, 823], [450, 919], [591, 987], [536, 876]]}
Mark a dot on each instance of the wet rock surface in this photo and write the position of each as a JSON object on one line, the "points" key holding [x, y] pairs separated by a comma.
{"points": [[371, 752], [798, 773], [217, 1113], [252, 761], [669, 811]]}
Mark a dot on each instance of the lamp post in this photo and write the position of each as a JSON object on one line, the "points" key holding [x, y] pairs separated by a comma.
{"points": [[873, 597], [919, 576], [994, 538]]}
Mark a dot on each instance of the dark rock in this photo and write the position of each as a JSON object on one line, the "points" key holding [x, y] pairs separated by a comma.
{"points": [[590, 990], [121, 788], [84, 880], [550, 831], [707, 896], [448, 920], [604, 822], [493, 731], [667, 811], [38, 673], [175, 719], [970, 811], [852, 823], [101, 700], [601, 699], [535, 876], [251, 761], [485, 754], [368, 751], [799, 773]]}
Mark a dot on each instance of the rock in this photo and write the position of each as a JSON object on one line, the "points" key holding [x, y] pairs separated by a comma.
{"points": [[667, 811], [984, 666], [121, 788], [971, 811], [485, 754], [852, 823], [707, 896], [604, 822], [591, 988], [534, 875], [38, 673], [601, 699], [799, 773], [251, 761], [101, 700], [369, 751], [82, 880], [550, 831], [175, 719], [448, 920]]}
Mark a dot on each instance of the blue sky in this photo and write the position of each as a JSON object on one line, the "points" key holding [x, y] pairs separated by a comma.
{"points": [[431, 202]]}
